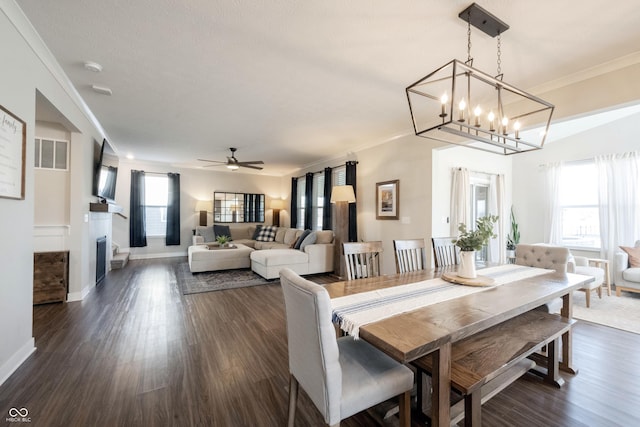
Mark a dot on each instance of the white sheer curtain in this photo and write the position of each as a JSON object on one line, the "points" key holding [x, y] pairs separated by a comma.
{"points": [[460, 199], [619, 201], [553, 214], [498, 246]]}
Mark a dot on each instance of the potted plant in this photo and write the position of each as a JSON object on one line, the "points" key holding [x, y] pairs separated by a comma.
{"points": [[470, 241], [223, 240], [513, 238]]}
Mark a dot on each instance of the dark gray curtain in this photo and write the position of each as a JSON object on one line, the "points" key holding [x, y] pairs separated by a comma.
{"points": [[294, 203], [326, 206], [137, 228], [353, 218], [308, 201], [173, 210]]}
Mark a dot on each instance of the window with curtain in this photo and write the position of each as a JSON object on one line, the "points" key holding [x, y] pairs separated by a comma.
{"points": [[155, 204], [302, 182], [579, 206], [318, 201]]}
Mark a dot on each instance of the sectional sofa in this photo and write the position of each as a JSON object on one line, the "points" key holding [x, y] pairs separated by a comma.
{"points": [[274, 248]]}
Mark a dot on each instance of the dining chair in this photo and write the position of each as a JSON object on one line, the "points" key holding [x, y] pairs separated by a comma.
{"points": [[342, 376], [362, 259], [410, 255], [544, 256], [445, 252]]}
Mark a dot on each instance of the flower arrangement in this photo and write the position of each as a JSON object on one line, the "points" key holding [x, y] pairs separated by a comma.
{"points": [[474, 240]]}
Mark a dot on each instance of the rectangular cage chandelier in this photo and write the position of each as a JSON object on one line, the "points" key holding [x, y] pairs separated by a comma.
{"points": [[459, 104]]}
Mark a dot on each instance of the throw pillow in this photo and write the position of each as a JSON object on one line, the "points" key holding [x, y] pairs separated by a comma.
{"points": [[257, 232], [267, 234], [207, 234], [634, 256], [309, 240], [304, 234], [222, 230]]}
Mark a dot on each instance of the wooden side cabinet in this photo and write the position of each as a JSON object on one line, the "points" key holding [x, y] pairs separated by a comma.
{"points": [[50, 276]]}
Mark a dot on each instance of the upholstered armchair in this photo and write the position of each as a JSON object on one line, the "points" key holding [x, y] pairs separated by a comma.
{"points": [[342, 376], [627, 277], [593, 268]]}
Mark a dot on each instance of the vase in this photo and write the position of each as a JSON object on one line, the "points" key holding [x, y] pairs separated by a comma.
{"points": [[467, 267]]}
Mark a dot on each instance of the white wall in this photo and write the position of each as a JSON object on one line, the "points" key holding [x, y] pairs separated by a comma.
{"points": [[23, 72], [194, 185], [51, 186], [529, 178]]}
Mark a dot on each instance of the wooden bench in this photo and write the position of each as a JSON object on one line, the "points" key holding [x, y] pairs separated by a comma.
{"points": [[485, 363]]}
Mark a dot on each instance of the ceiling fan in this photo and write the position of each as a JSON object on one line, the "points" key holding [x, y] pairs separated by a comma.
{"points": [[233, 163]]}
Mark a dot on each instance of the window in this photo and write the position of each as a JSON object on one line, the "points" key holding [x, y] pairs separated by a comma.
{"points": [[302, 182], [156, 194], [318, 201], [51, 154], [479, 207], [579, 205]]}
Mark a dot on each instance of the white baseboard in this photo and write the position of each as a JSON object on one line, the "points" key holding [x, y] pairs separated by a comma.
{"points": [[79, 296], [157, 255], [14, 362]]}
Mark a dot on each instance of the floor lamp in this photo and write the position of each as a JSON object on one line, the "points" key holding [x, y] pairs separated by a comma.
{"points": [[341, 196], [276, 206]]}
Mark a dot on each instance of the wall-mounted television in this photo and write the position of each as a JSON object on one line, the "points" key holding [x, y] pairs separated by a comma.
{"points": [[105, 171]]}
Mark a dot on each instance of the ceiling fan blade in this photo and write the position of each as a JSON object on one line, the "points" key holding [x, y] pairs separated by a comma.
{"points": [[212, 161], [220, 164], [249, 166], [254, 162]]}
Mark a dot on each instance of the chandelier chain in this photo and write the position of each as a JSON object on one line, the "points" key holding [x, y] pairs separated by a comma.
{"points": [[469, 37], [499, 60]]}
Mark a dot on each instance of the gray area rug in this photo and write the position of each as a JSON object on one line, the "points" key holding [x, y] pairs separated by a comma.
{"points": [[617, 312], [194, 283]]}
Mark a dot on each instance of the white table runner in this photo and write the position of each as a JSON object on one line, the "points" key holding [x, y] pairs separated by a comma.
{"points": [[354, 311]]}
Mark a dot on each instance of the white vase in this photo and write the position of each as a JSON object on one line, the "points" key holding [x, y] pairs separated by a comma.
{"points": [[467, 267]]}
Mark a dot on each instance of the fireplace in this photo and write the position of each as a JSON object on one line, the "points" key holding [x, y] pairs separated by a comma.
{"points": [[101, 258]]}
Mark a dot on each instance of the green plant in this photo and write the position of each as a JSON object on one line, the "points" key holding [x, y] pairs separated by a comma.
{"points": [[223, 239], [474, 240], [513, 238]]}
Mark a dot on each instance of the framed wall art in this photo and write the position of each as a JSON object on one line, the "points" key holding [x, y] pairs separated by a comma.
{"points": [[13, 141], [388, 199]]}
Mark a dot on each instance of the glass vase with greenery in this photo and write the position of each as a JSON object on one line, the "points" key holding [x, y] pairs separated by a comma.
{"points": [[474, 240]]}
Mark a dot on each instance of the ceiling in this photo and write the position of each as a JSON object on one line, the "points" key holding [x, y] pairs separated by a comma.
{"points": [[295, 83]]}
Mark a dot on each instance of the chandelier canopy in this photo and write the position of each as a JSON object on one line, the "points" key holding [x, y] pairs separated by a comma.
{"points": [[461, 105]]}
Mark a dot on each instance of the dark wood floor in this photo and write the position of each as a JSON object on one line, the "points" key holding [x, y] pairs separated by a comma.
{"points": [[136, 352]]}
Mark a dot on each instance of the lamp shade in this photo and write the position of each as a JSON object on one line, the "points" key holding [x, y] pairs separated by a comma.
{"points": [[343, 193], [277, 204], [204, 205]]}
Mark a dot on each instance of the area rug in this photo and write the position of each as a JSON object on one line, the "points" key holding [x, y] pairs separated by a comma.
{"points": [[194, 283], [617, 312]]}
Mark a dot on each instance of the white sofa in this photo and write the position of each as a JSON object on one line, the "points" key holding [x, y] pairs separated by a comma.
{"points": [[269, 257], [626, 278]]}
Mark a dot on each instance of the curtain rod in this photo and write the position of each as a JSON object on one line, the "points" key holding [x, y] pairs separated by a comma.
{"points": [[332, 167], [477, 171], [156, 173]]}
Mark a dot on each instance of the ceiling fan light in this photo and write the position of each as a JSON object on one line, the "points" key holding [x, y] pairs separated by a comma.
{"points": [[232, 167]]}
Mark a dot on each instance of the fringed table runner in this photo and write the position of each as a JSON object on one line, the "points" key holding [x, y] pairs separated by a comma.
{"points": [[354, 311]]}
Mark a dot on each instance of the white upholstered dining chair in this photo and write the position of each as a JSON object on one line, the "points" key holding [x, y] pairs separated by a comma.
{"points": [[544, 256], [342, 376]]}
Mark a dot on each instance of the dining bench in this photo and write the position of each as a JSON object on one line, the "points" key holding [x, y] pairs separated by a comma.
{"points": [[485, 363]]}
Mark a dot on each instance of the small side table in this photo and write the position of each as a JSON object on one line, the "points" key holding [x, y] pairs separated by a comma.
{"points": [[604, 264]]}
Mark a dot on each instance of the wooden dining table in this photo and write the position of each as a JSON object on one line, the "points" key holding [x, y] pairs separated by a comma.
{"points": [[432, 329]]}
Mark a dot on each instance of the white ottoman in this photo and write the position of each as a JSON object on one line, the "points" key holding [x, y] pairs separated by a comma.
{"points": [[269, 262], [201, 258]]}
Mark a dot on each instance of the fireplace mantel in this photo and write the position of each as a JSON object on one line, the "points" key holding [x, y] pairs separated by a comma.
{"points": [[105, 207]]}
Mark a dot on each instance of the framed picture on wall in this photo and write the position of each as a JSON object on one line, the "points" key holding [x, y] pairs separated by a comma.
{"points": [[388, 199], [13, 141]]}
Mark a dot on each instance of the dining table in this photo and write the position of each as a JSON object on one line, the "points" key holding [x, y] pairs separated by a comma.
{"points": [[433, 328]]}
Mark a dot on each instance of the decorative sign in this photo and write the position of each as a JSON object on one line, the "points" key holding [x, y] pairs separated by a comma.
{"points": [[387, 199], [13, 140]]}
